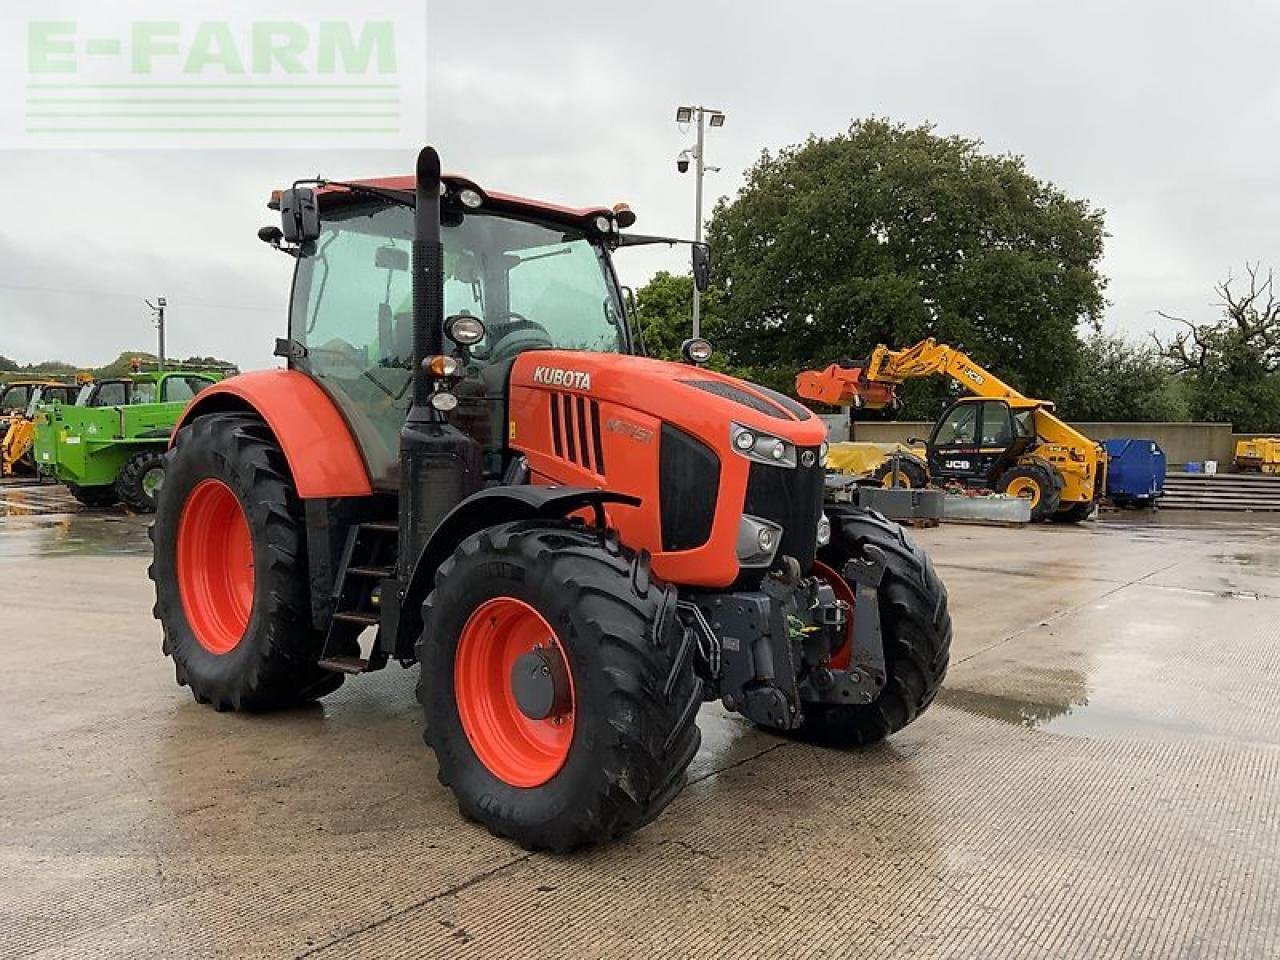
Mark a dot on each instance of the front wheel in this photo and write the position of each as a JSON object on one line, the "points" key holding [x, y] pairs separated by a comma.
{"points": [[230, 570], [140, 479], [1075, 513], [914, 623], [1037, 483], [557, 685]]}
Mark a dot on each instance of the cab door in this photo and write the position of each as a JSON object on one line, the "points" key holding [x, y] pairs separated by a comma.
{"points": [[953, 445], [998, 446]]}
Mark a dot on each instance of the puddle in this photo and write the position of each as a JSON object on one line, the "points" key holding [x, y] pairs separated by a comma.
{"points": [[91, 533], [1034, 714]]}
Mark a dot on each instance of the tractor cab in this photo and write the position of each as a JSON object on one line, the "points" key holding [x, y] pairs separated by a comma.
{"points": [[976, 440], [533, 277]]}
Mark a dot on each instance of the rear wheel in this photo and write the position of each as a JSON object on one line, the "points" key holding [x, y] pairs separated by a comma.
{"points": [[140, 480], [94, 497], [1038, 484], [230, 570], [557, 685], [914, 623], [1075, 513]]}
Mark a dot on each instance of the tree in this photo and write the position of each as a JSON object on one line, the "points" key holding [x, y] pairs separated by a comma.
{"points": [[1231, 365], [7, 364], [892, 233], [1118, 380], [664, 313]]}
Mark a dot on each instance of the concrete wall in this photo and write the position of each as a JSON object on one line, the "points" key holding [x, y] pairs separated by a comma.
{"points": [[1181, 442]]}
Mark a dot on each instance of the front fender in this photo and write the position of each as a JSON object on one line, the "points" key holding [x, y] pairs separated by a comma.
{"points": [[322, 453], [488, 508]]}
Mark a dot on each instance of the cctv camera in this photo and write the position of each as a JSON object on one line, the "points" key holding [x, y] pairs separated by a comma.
{"points": [[682, 164]]}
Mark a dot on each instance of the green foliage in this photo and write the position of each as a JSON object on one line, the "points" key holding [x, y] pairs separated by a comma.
{"points": [[1118, 380], [119, 367], [889, 234], [1230, 366]]}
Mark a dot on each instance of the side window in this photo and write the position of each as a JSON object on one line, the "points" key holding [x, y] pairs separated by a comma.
{"points": [[111, 395], [996, 428], [143, 392], [960, 428], [351, 310], [183, 388], [1024, 424]]}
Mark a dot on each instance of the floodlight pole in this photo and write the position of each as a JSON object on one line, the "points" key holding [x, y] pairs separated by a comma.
{"points": [[699, 169], [157, 310]]}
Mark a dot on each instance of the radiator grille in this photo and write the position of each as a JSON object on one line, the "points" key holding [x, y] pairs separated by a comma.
{"points": [[575, 431]]}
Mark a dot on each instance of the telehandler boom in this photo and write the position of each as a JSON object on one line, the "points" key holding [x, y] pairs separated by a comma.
{"points": [[997, 437]]}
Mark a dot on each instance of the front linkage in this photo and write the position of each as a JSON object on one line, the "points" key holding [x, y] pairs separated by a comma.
{"points": [[765, 653]]}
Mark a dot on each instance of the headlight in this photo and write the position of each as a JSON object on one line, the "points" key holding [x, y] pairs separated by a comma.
{"points": [[824, 530], [758, 541], [762, 447], [822, 453]]}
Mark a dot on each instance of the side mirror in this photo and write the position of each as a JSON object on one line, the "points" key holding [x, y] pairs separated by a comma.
{"points": [[701, 257], [391, 258], [299, 215]]}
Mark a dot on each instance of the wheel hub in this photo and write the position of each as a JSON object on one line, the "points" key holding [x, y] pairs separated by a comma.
{"points": [[540, 684]]}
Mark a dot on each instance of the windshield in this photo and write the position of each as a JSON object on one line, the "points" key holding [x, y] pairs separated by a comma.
{"points": [[535, 286]]}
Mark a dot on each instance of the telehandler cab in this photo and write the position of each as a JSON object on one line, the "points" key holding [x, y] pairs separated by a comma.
{"points": [[578, 545]]}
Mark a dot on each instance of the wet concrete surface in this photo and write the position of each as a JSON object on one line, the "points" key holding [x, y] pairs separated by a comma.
{"points": [[1098, 778]]}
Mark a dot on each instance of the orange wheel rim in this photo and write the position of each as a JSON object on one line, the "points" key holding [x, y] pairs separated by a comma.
{"points": [[516, 749], [843, 654], [215, 566]]}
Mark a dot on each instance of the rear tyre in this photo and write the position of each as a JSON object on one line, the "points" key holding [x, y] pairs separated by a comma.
{"points": [[94, 497], [140, 480], [1037, 483], [230, 570], [1075, 513], [909, 474], [914, 623], [612, 752]]}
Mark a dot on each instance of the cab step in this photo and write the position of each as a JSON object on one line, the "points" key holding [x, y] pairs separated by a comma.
{"points": [[357, 616], [344, 664]]}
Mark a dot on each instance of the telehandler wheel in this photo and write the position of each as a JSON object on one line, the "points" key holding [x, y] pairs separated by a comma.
{"points": [[230, 569], [558, 691], [1036, 482], [140, 479], [914, 623], [1075, 513], [909, 475], [94, 497]]}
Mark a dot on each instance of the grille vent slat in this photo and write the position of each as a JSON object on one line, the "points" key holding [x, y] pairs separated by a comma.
{"points": [[575, 431]]}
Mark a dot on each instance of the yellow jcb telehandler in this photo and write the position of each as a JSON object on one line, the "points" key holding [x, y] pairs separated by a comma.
{"points": [[996, 438]]}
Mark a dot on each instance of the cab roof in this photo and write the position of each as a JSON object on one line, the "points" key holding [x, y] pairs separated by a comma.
{"points": [[505, 202]]}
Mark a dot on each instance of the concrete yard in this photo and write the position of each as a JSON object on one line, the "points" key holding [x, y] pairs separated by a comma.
{"points": [[1100, 777]]}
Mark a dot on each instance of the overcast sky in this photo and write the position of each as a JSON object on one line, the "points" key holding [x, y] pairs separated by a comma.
{"points": [[1166, 114]]}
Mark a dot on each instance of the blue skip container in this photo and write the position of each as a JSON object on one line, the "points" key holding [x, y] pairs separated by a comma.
{"points": [[1135, 471]]}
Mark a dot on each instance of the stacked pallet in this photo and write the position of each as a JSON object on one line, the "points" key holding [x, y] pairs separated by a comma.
{"points": [[1223, 491]]}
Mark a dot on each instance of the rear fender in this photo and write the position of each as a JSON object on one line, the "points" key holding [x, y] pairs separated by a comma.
{"points": [[487, 508], [322, 453]]}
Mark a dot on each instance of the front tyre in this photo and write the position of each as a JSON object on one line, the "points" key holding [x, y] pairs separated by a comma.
{"points": [[914, 623], [558, 690], [140, 479], [230, 570]]}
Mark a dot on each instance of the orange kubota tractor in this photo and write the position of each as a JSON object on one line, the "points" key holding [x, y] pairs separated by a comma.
{"points": [[469, 454], [996, 438]]}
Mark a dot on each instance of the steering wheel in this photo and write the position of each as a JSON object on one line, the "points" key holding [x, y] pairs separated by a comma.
{"points": [[518, 335]]}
